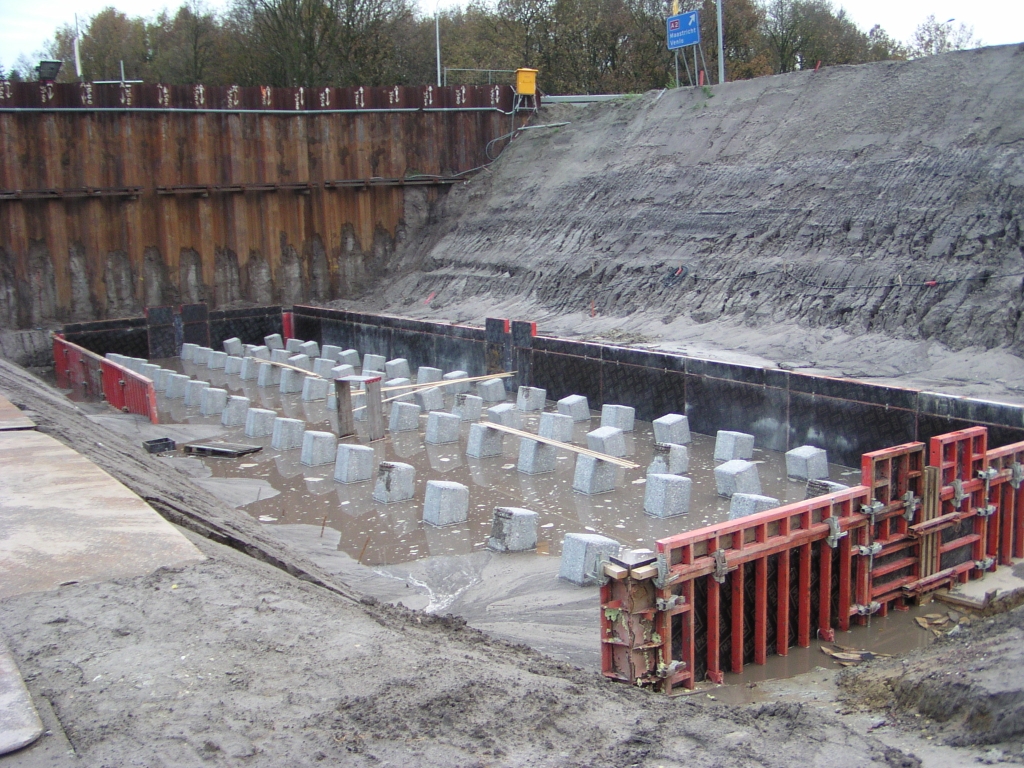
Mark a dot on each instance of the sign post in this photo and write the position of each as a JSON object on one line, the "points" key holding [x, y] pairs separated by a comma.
{"points": [[683, 30]]}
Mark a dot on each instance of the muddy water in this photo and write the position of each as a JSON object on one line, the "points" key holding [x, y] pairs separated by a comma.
{"points": [[379, 534]]}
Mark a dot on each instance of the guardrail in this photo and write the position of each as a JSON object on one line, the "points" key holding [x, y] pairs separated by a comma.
{"points": [[125, 389]]}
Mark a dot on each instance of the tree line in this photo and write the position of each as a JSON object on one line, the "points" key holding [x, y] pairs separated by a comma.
{"points": [[579, 46]]}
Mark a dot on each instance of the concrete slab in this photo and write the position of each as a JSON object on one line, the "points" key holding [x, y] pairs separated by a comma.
{"points": [[19, 722], [63, 519], [11, 417]]}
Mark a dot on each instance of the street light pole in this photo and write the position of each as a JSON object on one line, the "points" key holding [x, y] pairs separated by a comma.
{"points": [[437, 40], [721, 46]]}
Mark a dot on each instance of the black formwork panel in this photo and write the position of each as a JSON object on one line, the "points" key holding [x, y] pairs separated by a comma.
{"points": [[126, 336], [195, 323], [250, 325]]}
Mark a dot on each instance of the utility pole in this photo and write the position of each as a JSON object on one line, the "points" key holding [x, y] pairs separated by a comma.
{"points": [[721, 46], [437, 40]]}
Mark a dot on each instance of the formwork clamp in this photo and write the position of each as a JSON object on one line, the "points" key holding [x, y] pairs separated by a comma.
{"points": [[911, 503], [668, 603], [867, 550], [986, 511], [867, 610], [665, 577], [721, 566], [667, 670], [984, 565], [834, 534], [873, 509], [1016, 475], [958, 492], [988, 475]]}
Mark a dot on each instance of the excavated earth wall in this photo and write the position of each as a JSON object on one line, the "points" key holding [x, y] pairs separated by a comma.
{"points": [[877, 199]]}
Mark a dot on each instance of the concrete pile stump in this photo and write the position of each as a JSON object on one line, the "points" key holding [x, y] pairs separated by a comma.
{"points": [[817, 488], [249, 369], [247, 349], [593, 475], [669, 459], [445, 503], [556, 426], [484, 441], [186, 351], [491, 391], [201, 355], [737, 476], [233, 346], [341, 371], [672, 428], [212, 401], [531, 399], [322, 366], [310, 349], [459, 388], [395, 482], [427, 375], [402, 395], [354, 463], [261, 353], [318, 448], [331, 352], [267, 375], [405, 417], [291, 381], [314, 389], [233, 366], [293, 345], [575, 406], [608, 440], [743, 504], [349, 357], [397, 369], [236, 412], [287, 434], [536, 458], [305, 362], [273, 341], [667, 495], [618, 416], [442, 428], [582, 555], [194, 392], [373, 363], [259, 422], [733, 445], [807, 463], [506, 415], [279, 355], [431, 399], [149, 371], [513, 529], [160, 380], [216, 360], [468, 407], [176, 386]]}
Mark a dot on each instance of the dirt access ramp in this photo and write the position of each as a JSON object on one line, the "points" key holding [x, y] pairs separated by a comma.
{"points": [[861, 220]]}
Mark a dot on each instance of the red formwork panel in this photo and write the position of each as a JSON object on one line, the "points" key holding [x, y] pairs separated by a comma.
{"points": [[121, 387], [1006, 492]]}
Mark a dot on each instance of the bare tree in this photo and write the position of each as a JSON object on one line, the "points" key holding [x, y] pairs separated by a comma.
{"points": [[932, 37]]}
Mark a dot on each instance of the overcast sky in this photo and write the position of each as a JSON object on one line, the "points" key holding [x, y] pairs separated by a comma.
{"points": [[25, 26]]}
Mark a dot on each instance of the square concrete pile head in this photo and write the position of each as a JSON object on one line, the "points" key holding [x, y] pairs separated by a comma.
{"points": [[318, 448], [149, 371], [247, 349], [445, 503], [349, 357], [536, 458], [260, 353], [556, 426], [201, 355], [287, 434], [310, 349], [405, 417], [291, 381], [575, 406], [322, 366], [667, 495], [593, 475], [216, 360], [235, 412], [608, 440], [816, 488], [331, 352], [273, 341], [249, 369], [340, 371], [431, 399], [315, 389], [491, 391], [373, 363], [442, 428], [618, 416], [354, 463], [186, 351], [743, 504], [395, 482], [279, 355], [484, 441], [531, 399], [194, 392], [459, 388], [468, 407], [427, 375], [267, 375], [506, 415], [672, 428], [737, 476], [582, 556], [293, 345], [733, 445], [513, 530], [807, 463], [305, 362], [398, 369], [213, 401], [233, 346], [233, 366], [259, 422], [176, 386], [402, 395], [669, 459], [160, 381]]}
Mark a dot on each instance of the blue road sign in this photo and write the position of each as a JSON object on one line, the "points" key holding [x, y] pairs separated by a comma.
{"points": [[683, 30]]}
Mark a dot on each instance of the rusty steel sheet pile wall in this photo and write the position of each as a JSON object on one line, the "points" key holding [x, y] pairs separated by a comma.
{"points": [[118, 197], [733, 593]]}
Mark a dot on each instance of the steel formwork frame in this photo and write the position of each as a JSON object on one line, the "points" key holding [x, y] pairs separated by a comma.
{"points": [[733, 593], [124, 389]]}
